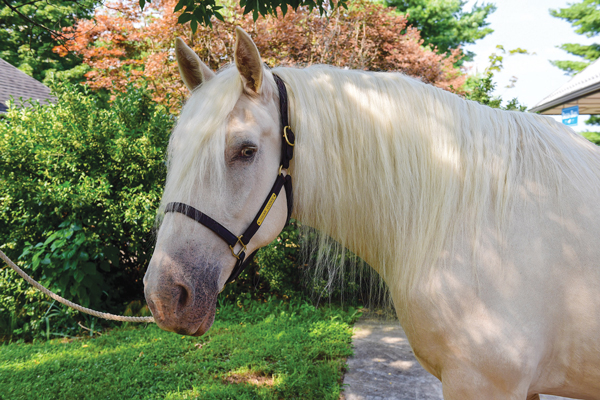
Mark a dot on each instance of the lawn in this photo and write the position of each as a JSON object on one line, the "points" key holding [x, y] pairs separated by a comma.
{"points": [[269, 350]]}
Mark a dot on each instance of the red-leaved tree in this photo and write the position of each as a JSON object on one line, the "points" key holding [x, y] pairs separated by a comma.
{"points": [[123, 45]]}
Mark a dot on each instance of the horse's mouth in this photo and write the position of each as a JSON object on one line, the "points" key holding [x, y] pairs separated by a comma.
{"points": [[205, 325], [181, 297], [181, 324], [191, 330]]}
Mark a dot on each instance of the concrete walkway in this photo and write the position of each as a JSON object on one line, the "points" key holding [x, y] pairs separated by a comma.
{"points": [[384, 366]]}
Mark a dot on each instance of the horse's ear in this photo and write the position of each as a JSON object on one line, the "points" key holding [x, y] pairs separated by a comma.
{"points": [[247, 61], [192, 70]]}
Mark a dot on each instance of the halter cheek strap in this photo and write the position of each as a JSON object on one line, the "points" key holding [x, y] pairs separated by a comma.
{"points": [[287, 153]]}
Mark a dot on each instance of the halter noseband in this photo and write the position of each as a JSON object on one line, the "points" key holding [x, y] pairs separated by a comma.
{"points": [[287, 152]]}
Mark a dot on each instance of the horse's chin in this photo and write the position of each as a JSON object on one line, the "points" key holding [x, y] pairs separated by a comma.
{"points": [[205, 325], [192, 330]]}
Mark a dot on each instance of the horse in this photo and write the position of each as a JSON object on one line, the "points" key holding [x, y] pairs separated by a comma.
{"points": [[483, 223]]}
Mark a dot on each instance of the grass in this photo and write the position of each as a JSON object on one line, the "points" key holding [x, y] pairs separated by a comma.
{"points": [[267, 350]]}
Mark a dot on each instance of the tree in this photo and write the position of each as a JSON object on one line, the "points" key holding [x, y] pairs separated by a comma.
{"points": [[29, 30], [129, 46], [585, 16], [444, 24], [479, 88], [196, 12]]}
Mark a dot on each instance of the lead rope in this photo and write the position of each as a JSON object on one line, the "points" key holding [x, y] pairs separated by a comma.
{"points": [[66, 302]]}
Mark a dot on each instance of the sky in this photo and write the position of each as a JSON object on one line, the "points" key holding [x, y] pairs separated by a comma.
{"points": [[528, 24]]}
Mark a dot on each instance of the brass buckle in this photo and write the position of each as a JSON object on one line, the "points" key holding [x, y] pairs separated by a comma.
{"points": [[285, 135], [243, 249]]}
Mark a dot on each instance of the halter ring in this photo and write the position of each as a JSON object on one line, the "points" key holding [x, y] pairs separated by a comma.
{"points": [[243, 249], [285, 135]]}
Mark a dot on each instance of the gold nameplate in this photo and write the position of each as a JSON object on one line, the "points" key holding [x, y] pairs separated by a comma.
{"points": [[263, 215]]}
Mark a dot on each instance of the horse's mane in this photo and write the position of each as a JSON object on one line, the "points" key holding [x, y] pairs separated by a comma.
{"points": [[405, 165], [392, 168]]}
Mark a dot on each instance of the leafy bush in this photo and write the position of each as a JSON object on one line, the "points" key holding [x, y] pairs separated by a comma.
{"points": [[79, 185], [283, 270], [275, 271], [593, 137]]}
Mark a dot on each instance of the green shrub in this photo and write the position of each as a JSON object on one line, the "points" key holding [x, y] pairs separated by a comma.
{"points": [[275, 271], [283, 270], [79, 187], [593, 137]]}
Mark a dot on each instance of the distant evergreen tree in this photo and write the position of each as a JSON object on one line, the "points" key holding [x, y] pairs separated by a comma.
{"points": [[585, 16]]}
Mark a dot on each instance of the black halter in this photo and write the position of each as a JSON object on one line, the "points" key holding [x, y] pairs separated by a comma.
{"points": [[287, 152]]}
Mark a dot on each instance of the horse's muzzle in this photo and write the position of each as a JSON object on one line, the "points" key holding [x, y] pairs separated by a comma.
{"points": [[182, 298]]}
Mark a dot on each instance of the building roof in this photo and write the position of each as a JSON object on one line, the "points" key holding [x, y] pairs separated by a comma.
{"points": [[582, 90], [19, 85]]}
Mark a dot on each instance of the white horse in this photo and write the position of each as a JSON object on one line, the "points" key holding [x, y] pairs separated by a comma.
{"points": [[484, 223]]}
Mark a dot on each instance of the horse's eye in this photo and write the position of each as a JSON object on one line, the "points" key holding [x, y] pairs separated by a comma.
{"points": [[247, 152]]}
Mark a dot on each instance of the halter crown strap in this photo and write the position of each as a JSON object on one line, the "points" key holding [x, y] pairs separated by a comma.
{"points": [[287, 153], [289, 139]]}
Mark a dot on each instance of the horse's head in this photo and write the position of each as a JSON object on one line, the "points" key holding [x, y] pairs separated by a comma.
{"points": [[223, 159]]}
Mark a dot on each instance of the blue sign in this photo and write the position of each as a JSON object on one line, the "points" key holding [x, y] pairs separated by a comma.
{"points": [[569, 115]]}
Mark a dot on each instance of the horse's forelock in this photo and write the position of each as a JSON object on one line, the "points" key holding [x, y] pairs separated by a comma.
{"points": [[197, 143]]}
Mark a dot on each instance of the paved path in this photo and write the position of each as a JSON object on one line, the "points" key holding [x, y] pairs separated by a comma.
{"points": [[384, 367]]}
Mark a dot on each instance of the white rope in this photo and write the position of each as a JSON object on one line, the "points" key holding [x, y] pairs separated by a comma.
{"points": [[70, 303]]}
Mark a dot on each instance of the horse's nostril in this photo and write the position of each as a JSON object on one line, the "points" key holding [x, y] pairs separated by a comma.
{"points": [[151, 306], [184, 297]]}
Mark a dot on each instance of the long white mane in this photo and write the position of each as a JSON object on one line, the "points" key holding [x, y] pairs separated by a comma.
{"points": [[392, 168]]}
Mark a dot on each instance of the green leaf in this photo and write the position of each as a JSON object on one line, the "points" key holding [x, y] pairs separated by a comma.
{"points": [[57, 244], [183, 18], [179, 6], [70, 265], [51, 238], [78, 275], [80, 239], [89, 268]]}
